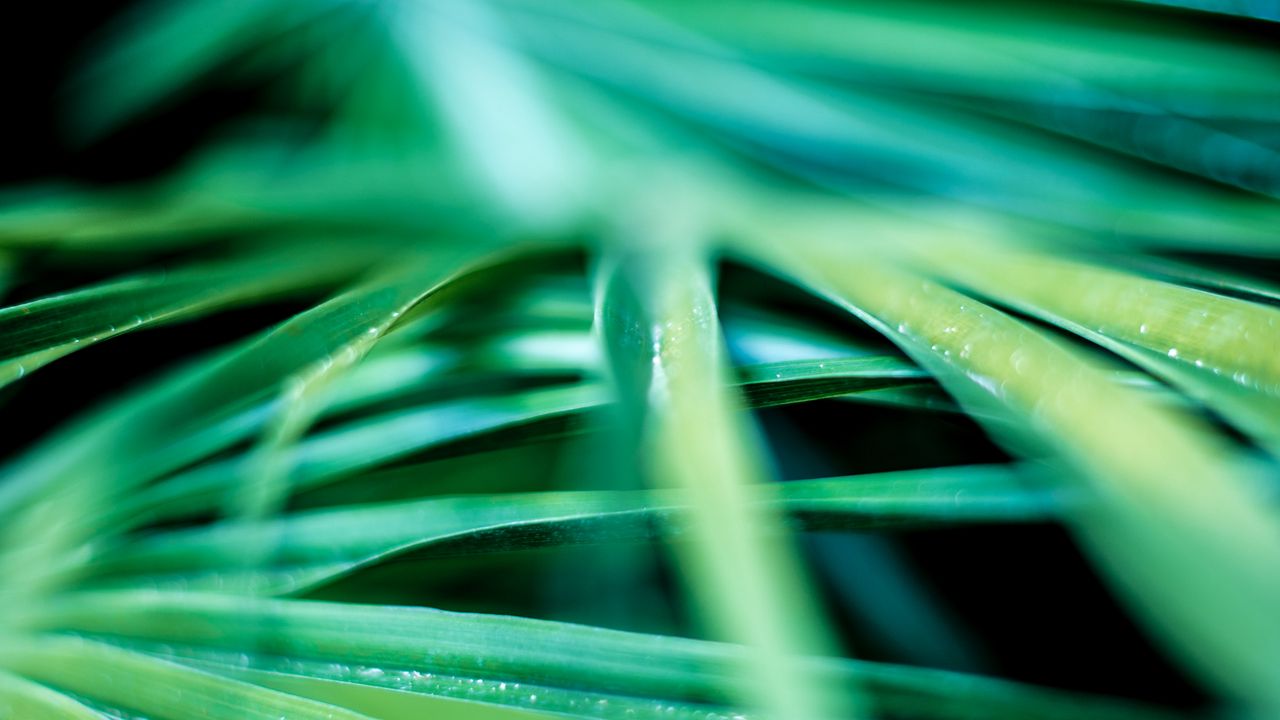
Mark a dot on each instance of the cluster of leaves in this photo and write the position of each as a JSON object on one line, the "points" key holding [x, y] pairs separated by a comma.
{"points": [[503, 222]]}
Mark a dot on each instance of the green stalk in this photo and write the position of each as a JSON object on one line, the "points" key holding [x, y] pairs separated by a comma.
{"points": [[658, 322]]}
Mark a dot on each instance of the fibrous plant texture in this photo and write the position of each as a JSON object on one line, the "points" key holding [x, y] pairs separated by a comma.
{"points": [[644, 359]]}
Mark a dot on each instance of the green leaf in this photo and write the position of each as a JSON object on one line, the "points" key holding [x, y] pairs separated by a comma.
{"points": [[1219, 350], [102, 463], [786, 382], [21, 698], [411, 693], [1175, 506], [1060, 54], [662, 338], [316, 547], [1217, 279], [38, 332], [156, 688], [383, 703], [370, 643], [844, 137], [510, 418], [166, 47]]}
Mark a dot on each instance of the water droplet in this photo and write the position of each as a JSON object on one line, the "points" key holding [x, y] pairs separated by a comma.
{"points": [[1143, 328], [1019, 360], [1173, 352]]}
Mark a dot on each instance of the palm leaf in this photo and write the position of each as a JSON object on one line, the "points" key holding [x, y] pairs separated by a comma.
{"points": [[982, 269]]}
